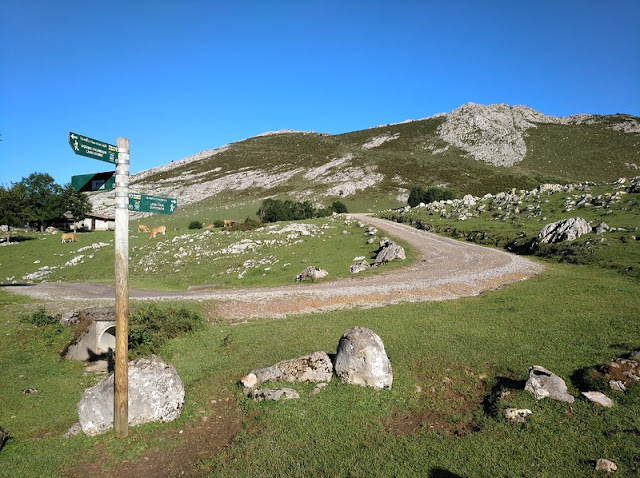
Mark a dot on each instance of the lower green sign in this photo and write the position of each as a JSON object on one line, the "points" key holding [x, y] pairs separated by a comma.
{"points": [[146, 203]]}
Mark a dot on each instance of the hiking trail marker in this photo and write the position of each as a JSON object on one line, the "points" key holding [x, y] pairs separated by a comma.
{"points": [[92, 148], [146, 203]]}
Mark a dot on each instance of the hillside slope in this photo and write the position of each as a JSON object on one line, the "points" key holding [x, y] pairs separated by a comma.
{"points": [[474, 149]]}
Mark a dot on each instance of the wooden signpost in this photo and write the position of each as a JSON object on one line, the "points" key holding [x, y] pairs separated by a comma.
{"points": [[119, 155]]}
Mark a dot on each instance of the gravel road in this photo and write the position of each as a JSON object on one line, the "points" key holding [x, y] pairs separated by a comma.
{"points": [[445, 269]]}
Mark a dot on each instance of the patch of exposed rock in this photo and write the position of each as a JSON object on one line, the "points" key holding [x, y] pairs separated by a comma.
{"points": [[493, 133], [496, 133], [564, 230]]}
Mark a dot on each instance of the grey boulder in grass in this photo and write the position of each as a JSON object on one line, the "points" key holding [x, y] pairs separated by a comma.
{"points": [[156, 393], [362, 360], [545, 384]]}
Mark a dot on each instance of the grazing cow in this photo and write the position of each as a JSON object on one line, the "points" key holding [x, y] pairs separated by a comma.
{"points": [[228, 223], [143, 228], [209, 227], [69, 237], [157, 230]]}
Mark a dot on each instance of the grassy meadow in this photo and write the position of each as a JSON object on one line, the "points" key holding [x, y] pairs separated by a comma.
{"points": [[457, 364]]}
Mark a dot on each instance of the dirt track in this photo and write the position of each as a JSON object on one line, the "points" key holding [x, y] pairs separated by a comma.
{"points": [[446, 269]]}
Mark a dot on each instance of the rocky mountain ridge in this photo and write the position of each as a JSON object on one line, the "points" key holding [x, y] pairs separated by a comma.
{"points": [[313, 166]]}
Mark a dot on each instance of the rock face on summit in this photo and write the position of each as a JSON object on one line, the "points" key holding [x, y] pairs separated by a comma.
{"points": [[493, 133]]}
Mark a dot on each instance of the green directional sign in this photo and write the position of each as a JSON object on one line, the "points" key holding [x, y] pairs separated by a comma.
{"points": [[146, 203], [92, 148], [94, 182]]}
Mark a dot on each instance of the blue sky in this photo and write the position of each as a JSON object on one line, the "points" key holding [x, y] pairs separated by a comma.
{"points": [[179, 77]]}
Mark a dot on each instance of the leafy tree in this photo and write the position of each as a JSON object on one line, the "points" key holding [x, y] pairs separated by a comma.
{"points": [[415, 196], [13, 206], [43, 202], [74, 202], [418, 195]]}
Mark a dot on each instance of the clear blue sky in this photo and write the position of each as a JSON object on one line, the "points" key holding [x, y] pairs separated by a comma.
{"points": [[179, 77]]}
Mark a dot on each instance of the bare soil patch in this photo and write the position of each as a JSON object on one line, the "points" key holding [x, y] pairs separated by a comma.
{"points": [[197, 443]]}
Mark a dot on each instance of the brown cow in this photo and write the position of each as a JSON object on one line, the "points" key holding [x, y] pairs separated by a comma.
{"points": [[70, 237], [228, 223], [157, 230], [143, 228]]}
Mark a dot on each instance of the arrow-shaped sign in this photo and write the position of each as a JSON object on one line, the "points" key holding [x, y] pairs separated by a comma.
{"points": [[146, 203], [92, 148]]}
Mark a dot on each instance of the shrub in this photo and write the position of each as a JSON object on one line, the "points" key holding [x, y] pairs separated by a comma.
{"points": [[195, 225], [418, 195], [38, 318], [248, 225], [151, 325], [218, 223], [338, 207]]}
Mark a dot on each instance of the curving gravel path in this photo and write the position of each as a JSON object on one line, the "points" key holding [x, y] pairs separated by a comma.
{"points": [[446, 269]]}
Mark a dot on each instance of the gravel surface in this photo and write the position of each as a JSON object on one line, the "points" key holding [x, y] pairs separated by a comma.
{"points": [[445, 269]]}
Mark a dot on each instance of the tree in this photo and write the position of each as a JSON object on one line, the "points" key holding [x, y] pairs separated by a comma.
{"points": [[42, 195], [73, 202], [338, 207], [13, 207], [415, 196]]}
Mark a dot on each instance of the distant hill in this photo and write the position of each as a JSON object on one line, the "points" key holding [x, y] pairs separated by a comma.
{"points": [[474, 149]]}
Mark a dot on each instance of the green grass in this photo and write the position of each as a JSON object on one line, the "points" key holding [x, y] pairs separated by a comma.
{"points": [[516, 225], [418, 157], [185, 257], [565, 319]]}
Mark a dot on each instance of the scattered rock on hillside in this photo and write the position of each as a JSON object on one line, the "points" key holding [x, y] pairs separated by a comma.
{"points": [[543, 383], [601, 228], [517, 414], [362, 360], [605, 465], [274, 394], [390, 252], [156, 393], [315, 367], [564, 230], [311, 273], [598, 398], [359, 267]]}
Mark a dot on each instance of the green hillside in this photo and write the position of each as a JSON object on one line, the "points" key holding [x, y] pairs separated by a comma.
{"points": [[410, 154]]}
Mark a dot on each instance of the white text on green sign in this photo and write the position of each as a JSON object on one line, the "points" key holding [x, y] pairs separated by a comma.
{"points": [[92, 148], [146, 203]]}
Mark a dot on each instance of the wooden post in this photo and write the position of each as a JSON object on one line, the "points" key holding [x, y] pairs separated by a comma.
{"points": [[121, 372]]}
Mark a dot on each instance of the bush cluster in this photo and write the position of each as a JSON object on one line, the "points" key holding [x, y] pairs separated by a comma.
{"points": [[39, 318], [418, 195], [151, 325], [195, 225], [274, 210]]}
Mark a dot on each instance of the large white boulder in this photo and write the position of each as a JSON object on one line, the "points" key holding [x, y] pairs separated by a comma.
{"points": [[156, 393], [362, 360]]}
